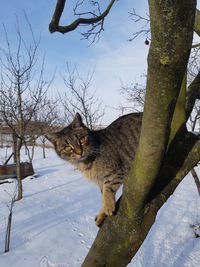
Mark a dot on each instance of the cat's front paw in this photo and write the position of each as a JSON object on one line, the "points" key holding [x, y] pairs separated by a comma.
{"points": [[99, 219], [109, 209]]}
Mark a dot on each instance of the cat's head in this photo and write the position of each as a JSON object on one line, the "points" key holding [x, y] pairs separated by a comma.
{"points": [[74, 142]]}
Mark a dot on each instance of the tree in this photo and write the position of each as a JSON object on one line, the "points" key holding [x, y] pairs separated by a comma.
{"points": [[79, 98], [44, 120], [134, 95], [21, 91], [48, 119], [166, 153]]}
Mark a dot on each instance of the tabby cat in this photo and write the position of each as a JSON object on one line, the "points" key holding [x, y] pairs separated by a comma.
{"points": [[103, 156]]}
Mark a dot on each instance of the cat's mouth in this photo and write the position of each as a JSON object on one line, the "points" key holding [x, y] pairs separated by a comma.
{"points": [[81, 158], [87, 156]]}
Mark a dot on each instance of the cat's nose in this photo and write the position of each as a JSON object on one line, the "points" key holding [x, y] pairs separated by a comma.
{"points": [[79, 151]]}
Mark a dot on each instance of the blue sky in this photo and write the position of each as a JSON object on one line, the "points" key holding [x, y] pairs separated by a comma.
{"points": [[114, 58]]}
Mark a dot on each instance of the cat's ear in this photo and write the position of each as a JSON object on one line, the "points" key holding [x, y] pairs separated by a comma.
{"points": [[77, 121]]}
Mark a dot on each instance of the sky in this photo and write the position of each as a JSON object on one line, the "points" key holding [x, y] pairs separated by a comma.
{"points": [[114, 58]]}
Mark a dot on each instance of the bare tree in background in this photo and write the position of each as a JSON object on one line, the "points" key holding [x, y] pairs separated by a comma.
{"points": [[134, 95], [22, 89], [78, 97], [45, 120], [49, 120]]}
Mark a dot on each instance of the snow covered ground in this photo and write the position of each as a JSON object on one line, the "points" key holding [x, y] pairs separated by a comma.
{"points": [[53, 225]]}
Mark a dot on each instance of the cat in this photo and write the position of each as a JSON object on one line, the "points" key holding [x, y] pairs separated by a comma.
{"points": [[103, 156]]}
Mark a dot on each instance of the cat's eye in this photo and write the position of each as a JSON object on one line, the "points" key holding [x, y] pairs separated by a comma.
{"points": [[68, 148], [83, 140]]}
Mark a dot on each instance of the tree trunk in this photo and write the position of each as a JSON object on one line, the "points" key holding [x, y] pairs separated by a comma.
{"points": [[8, 230], [26, 151], [30, 154], [32, 151], [14, 146], [1, 137], [43, 149], [156, 170], [19, 176]]}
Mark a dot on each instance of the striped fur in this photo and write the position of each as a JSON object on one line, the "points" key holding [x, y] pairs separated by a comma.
{"points": [[103, 156]]}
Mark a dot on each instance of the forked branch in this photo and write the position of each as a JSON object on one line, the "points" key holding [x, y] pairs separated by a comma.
{"points": [[94, 21]]}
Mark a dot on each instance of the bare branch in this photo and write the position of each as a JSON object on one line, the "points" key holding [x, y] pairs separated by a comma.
{"points": [[95, 21], [56, 16], [144, 25], [80, 99], [135, 94]]}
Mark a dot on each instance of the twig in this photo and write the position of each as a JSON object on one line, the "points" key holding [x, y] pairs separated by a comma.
{"points": [[196, 179], [6, 162]]}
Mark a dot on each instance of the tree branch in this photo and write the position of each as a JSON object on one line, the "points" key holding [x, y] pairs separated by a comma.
{"points": [[197, 22], [54, 24], [196, 179], [57, 15], [193, 93], [192, 150]]}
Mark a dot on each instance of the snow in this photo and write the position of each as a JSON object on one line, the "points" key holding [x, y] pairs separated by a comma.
{"points": [[53, 225]]}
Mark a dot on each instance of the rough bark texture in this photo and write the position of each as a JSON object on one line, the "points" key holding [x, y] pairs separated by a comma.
{"points": [[121, 236]]}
